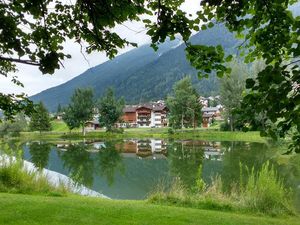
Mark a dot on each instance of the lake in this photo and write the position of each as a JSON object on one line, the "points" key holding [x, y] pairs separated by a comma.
{"points": [[133, 168]]}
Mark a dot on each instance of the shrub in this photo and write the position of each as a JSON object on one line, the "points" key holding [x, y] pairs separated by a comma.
{"points": [[171, 131], [225, 126]]}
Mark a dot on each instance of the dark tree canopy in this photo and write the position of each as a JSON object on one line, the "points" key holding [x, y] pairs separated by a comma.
{"points": [[33, 32]]}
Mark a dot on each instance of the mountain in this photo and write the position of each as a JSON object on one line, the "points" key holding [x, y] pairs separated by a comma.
{"points": [[142, 74]]}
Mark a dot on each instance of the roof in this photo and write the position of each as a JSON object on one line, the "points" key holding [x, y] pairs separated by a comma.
{"points": [[93, 122], [152, 106], [208, 115], [210, 109], [129, 109]]}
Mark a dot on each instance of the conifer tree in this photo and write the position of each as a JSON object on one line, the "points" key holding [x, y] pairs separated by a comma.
{"points": [[40, 120]]}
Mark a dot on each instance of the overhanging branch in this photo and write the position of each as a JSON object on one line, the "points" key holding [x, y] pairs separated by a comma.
{"points": [[28, 62]]}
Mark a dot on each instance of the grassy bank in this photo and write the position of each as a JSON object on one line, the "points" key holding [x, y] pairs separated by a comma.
{"points": [[28, 209], [209, 135]]}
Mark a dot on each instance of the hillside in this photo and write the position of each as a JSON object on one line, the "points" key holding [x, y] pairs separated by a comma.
{"points": [[143, 74]]}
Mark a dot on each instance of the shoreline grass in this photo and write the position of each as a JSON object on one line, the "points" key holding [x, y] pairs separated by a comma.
{"points": [[260, 192], [15, 178]]}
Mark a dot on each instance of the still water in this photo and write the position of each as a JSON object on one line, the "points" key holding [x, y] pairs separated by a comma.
{"points": [[131, 169]]}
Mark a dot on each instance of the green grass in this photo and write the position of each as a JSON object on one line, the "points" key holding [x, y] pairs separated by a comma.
{"points": [[32, 210], [208, 135], [61, 126], [14, 178]]}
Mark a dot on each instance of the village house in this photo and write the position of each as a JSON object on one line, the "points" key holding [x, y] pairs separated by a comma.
{"points": [[145, 115], [209, 114]]}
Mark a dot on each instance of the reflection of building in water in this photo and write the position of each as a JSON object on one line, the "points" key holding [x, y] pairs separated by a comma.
{"points": [[145, 148], [212, 150]]}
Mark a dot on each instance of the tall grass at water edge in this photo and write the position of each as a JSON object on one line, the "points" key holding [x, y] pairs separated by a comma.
{"points": [[259, 191], [15, 178]]}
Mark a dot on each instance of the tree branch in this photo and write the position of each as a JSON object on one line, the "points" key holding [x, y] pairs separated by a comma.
{"points": [[28, 62], [293, 62]]}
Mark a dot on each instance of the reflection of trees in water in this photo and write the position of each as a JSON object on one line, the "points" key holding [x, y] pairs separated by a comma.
{"points": [[185, 160], [12, 148], [82, 163], [289, 169], [79, 163], [252, 155], [39, 152], [110, 161]]}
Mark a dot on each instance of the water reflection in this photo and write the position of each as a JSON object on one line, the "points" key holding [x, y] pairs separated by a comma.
{"points": [[79, 163], [129, 169], [110, 161], [39, 152], [185, 157]]}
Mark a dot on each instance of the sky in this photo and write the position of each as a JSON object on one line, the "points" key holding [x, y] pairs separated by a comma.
{"points": [[34, 81]]}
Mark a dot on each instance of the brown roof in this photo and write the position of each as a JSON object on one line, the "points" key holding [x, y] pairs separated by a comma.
{"points": [[129, 109]]}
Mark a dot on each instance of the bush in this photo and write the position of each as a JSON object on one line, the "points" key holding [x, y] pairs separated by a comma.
{"points": [[117, 130], [225, 126], [171, 131]]}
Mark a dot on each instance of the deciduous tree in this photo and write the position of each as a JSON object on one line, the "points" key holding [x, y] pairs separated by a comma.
{"points": [[110, 109], [80, 110]]}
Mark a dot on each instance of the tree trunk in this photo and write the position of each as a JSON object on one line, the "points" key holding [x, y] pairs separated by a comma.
{"points": [[181, 122], [231, 123], [83, 129]]}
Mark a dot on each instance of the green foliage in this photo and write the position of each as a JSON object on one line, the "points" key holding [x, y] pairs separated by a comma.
{"points": [[264, 192], [40, 120], [184, 107], [110, 109], [232, 88], [80, 109], [14, 127]]}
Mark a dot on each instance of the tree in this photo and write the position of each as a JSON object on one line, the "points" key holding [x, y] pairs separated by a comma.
{"points": [[269, 30], [40, 120], [70, 119], [185, 109], [232, 88], [110, 109], [80, 110], [14, 127], [59, 109]]}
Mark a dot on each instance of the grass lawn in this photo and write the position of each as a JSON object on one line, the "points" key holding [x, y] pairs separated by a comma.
{"points": [[30, 209], [60, 130]]}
